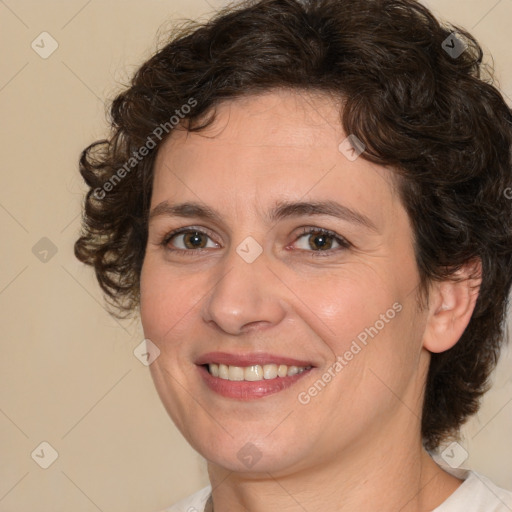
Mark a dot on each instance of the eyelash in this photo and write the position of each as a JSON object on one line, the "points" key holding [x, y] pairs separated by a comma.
{"points": [[344, 243]]}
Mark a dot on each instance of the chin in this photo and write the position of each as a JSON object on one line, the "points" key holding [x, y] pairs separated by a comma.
{"points": [[247, 454]]}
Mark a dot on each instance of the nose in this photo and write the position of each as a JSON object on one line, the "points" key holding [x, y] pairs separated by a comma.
{"points": [[246, 296]]}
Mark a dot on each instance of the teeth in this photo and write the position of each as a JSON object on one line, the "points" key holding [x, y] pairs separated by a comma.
{"points": [[252, 373], [223, 371], [235, 373], [293, 370], [214, 370], [282, 371], [255, 372], [270, 371]]}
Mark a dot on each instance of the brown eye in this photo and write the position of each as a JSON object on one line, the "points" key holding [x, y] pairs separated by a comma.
{"points": [[194, 240], [188, 239], [320, 240]]}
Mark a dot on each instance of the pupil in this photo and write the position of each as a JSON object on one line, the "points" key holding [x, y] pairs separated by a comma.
{"points": [[320, 241], [194, 240]]}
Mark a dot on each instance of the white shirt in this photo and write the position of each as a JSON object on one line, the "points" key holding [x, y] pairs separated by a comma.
{"points": [[476, 494]]}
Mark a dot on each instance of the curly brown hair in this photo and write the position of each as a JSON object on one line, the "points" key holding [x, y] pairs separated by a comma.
{"points": [[416, 104]]}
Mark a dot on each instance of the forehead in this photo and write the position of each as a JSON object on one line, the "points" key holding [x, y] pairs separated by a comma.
{"points": [[298, 120], [284, 142]]}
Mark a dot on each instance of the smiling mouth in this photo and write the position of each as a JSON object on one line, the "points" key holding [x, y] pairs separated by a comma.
{"points": [[254, 372]]}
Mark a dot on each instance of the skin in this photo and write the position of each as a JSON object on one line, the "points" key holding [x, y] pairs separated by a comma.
{"points": [[356, 445]]}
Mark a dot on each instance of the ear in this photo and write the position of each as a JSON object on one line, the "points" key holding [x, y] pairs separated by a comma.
{"points": [[451, 304]]}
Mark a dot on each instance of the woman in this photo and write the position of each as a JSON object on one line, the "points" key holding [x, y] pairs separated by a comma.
{"points": [[305, 200]]}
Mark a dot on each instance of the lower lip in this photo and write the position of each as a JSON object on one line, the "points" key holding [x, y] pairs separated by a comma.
{"points": [[247, 390]]}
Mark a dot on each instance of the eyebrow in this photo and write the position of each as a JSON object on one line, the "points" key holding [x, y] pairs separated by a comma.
{"points": [[282, 210]]}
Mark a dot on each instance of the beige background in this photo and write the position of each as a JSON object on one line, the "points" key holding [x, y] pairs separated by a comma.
{"points": [[69, 376]]}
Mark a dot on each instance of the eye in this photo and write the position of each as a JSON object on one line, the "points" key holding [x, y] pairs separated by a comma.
{"points": [[187, 240], [321, 240], [316, 240]]}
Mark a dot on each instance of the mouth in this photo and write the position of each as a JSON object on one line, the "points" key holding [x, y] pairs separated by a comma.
{"points": [[250, 376]]}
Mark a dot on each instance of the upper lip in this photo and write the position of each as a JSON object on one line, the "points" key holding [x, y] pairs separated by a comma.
{"points": [[248, 359]]}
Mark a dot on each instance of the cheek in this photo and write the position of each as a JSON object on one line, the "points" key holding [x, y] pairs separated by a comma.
{"points": [[368, 322], [347, 304], [167, 301]]}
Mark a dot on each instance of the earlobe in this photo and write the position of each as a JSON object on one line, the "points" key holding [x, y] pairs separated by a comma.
{"points": [[452, 303]]}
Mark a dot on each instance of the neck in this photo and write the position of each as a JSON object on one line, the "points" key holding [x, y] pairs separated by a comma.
{"points": [[387, 480]]}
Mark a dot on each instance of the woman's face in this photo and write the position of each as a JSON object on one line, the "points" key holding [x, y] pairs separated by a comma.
{"points": [[252, 281]]}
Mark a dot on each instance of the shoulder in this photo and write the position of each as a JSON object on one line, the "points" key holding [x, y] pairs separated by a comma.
{"points": [[477, 494], [192, 503]]}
